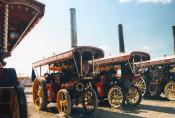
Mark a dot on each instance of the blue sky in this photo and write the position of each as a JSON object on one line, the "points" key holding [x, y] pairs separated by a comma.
{"points": [[147, 27]]}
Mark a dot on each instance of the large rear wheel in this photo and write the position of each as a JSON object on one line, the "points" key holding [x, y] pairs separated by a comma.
{"points": [[12, 97], [13, 103], [22, 102], [64, 103], [169, 90], [115, 97], [141, 83], [39, 94], [133, 96]]}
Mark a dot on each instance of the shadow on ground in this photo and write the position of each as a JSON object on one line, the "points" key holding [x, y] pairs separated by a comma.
{"points": [[159, 98], [104, 110], [99, 113], [169, 110], [143, 108]]}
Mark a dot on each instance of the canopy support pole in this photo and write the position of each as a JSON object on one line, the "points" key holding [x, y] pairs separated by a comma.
{"points": [[133, 61], [6, 23], [93, 66], [141, 65], [81, 65], [40, 71]]}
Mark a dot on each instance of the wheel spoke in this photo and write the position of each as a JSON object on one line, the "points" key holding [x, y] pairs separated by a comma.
{"points": [[88, 101], [169, 90], [64, 102], [37, 99], [171, 87], [61, 108], [133, 96], [115, 97], [139, 82]]}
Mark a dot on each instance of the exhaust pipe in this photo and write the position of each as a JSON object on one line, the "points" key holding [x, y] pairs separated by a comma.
{"points": [[121, 39], [73, 28], [173, 27]]}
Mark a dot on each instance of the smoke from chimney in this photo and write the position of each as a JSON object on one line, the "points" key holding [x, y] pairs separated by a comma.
{"points": [[73, 27], [121, 39], [173, 27]]}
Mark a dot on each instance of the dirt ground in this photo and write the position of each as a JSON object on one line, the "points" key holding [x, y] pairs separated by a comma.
{"points": [[149, 108]]}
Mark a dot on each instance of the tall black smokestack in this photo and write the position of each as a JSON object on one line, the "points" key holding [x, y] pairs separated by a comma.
{"points": [[173, 27], [73, 27], [121, 39]]}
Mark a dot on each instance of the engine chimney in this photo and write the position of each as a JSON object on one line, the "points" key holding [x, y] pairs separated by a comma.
{"points": [[173, 27], [73, 27], [121, 39]]}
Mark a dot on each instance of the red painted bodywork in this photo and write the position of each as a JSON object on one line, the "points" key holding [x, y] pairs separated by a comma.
{"points": [[70, 84], [99, 87], [49, 96], [53, 88]]}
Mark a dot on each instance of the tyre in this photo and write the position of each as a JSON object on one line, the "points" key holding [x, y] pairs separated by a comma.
{"points": [[141, 83], [22, 102], [89, 101], [64, 105], [169, 90], [147, 81], [115, 97], [18, 103], [133, 96], [39, 94], [9, 78]]}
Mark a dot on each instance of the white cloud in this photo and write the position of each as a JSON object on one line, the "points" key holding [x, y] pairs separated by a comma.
{"points": [[147, 1], [155, 1], [124, 1]]}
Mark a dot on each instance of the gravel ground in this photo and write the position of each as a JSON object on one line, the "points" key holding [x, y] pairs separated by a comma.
{"points": [[149, 108]]}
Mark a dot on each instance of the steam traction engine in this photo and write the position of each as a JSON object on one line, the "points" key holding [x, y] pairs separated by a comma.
{"points": [[129, 64], [117, 81], [17, 18], [67, 80], [159, 75]]}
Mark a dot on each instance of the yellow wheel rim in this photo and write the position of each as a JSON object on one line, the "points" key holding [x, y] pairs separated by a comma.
{"points": [[88, 101], [140, 83], [62, 103], [115, 97], [132, 95], [170, 90], [37, 93]]}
